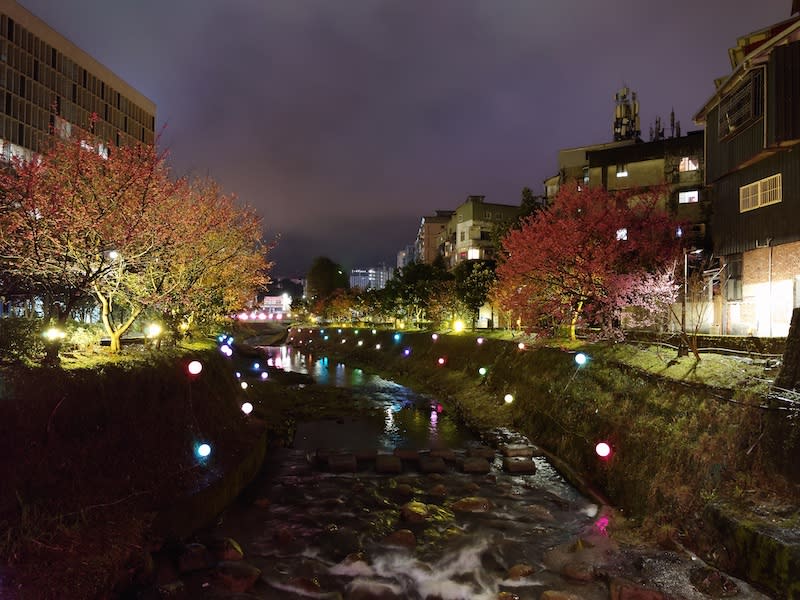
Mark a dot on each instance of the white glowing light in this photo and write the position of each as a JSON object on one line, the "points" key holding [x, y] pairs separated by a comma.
{"points": [[153, 330], [374, 331], [226, 350], [256, 366], [264, 375], [479, 340], [521, 345], [482, 371], [53, 334], [603, 450], [441, 360], [435, 336], [203, 450], [244, 385], [238, 375], [247, 408], [195, 367], [360, 342], [458, 326], [580, 359], [508, 398], [377, 346]]}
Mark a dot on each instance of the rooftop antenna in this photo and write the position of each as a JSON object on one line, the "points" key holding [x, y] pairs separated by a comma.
{"points": [[672, 123], [626, 115]]}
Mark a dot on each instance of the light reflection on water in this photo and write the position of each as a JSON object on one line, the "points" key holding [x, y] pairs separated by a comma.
{"points": [[411, 420]]}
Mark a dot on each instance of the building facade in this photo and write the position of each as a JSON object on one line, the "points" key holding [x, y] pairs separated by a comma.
{"points": [[753, 171], [675, 164], [469, 232], [374, 278], [430, 229], [50, 85]]}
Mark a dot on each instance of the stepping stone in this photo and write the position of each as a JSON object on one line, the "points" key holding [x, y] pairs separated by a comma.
{"points": [[481, 452], [444, 453], [475, 464], [388, 463], [342, 463], [432, 464], [406, 454], [519, 465], [517, 450], [365, 455]]}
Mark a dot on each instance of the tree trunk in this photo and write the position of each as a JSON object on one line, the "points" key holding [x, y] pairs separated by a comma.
{"points": [[574, 321], [789, 375]]}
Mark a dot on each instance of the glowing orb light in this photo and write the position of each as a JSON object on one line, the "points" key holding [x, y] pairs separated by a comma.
{"points": [[458, 326], [374, 331], [355, 332], [479, 340], [244, 385], [264, 375], [396, 337], [435, 337], [53, 334], [243, 316], [153, 330], [407, 351], [203, 451], [441, 360], [482, 371], [508, 398], [521, 345], [326, 338], [247, 408], [194, 367], [256, 366], [603, 450], [344, 340], [377, 346], [226, 350], [360, 342], [238, 375], [580, 359], [338, 331]]}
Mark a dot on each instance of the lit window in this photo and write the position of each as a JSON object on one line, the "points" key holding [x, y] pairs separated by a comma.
{"points": [[622, 234], [622, 170], [586, 175], [760, 193], [688, 197], [689, 163], [473, 254]]}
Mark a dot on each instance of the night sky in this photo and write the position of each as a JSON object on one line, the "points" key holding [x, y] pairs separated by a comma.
{"points": [[343, 122]]}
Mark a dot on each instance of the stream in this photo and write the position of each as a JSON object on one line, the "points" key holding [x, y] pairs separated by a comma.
{"points": [[409, 504]]}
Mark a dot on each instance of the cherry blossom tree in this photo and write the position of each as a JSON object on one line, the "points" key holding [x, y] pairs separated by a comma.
{"points": [[116, 228], [585, 258]]}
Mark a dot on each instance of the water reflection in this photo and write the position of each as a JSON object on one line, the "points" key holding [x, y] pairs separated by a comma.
{"points": [[409, 419]]}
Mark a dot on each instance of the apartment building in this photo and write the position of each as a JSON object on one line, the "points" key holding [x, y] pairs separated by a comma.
{"points": [[752, 168], [49, 84]]}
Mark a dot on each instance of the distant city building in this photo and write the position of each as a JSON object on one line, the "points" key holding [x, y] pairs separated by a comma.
{"points": [[430, 228], [406, 256], [370, 279], [50, 85]]}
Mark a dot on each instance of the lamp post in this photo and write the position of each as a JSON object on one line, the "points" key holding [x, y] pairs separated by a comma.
{"points": [[686, 254]]}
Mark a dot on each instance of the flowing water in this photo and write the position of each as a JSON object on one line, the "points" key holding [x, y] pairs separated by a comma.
{"points": [[323, 520]]}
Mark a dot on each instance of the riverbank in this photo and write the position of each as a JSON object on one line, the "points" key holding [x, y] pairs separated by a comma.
{"points": [[682, 451]]}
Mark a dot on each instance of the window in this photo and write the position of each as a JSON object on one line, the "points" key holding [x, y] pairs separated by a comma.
{"points": [[741, 107], [473, 254], [760, 193], [689, 163], [733, 285], [622, 170], [463, 235], [688, 197], [586, 175]]}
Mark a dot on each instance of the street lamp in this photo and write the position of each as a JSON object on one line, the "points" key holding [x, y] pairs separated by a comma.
{"points": [[686, 254]]}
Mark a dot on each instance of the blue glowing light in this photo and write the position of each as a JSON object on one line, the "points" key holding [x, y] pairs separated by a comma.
{"points": [[397, 337]]}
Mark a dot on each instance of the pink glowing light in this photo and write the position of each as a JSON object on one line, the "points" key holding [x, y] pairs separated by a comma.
{"points": [[603, 450], [194, 367]]}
